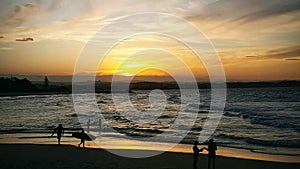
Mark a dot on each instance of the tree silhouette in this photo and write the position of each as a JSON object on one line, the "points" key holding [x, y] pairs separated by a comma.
{"points": [[14, 84]]}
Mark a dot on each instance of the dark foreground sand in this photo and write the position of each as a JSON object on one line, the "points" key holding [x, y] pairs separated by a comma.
{"points": [[30, 156]]}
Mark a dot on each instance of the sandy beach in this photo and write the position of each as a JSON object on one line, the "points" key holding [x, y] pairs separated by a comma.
{"points": [[34, 156]]}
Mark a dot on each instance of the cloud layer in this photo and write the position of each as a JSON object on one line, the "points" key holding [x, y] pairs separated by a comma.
{"points": [[25, 39], [259, 33]]}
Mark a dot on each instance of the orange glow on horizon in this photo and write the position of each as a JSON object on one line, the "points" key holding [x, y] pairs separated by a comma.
{"points": [[150, 55]]}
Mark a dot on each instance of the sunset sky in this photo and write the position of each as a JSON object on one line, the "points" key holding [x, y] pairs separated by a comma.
{"points": [[255, 39]]}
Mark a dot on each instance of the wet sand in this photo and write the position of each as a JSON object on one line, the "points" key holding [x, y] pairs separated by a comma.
{"points": [[35, 156]]}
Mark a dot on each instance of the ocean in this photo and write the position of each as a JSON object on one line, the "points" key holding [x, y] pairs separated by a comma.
{"points": [[263, 120]]}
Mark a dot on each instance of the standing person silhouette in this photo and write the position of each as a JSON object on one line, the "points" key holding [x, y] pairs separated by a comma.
{"points": [[82, 139], [88, 125], [212, 147], [59, 130], [100, 124], [196, 151]]}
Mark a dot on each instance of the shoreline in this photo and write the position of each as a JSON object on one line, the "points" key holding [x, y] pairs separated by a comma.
{"points": [[123, 144], [68, 156]]}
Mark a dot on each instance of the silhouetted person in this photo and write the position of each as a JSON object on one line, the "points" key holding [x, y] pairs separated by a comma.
{"points": [[46, 83], [100, 124], [196, 151], [82, 139], [212, 147], [88, 126], [59, 130]]}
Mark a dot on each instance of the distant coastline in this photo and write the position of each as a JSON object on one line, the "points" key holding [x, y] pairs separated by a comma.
{"points": [[21, 87], [14, 86]]}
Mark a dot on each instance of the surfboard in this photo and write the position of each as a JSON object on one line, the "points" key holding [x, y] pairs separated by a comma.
{"points": [[84, 136]]}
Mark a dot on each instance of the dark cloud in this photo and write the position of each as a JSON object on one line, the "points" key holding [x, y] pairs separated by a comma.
{"points": [[25, 39], [245, 10], [56, 4], [269, 8], [293, 59], [22, 13], [284, 53]]}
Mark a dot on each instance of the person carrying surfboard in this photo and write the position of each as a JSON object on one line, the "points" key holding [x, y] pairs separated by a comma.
{"points": [[59, 130], [82, 139]]}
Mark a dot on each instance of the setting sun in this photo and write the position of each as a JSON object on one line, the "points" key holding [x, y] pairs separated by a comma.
{"points": [[144, 55]]}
